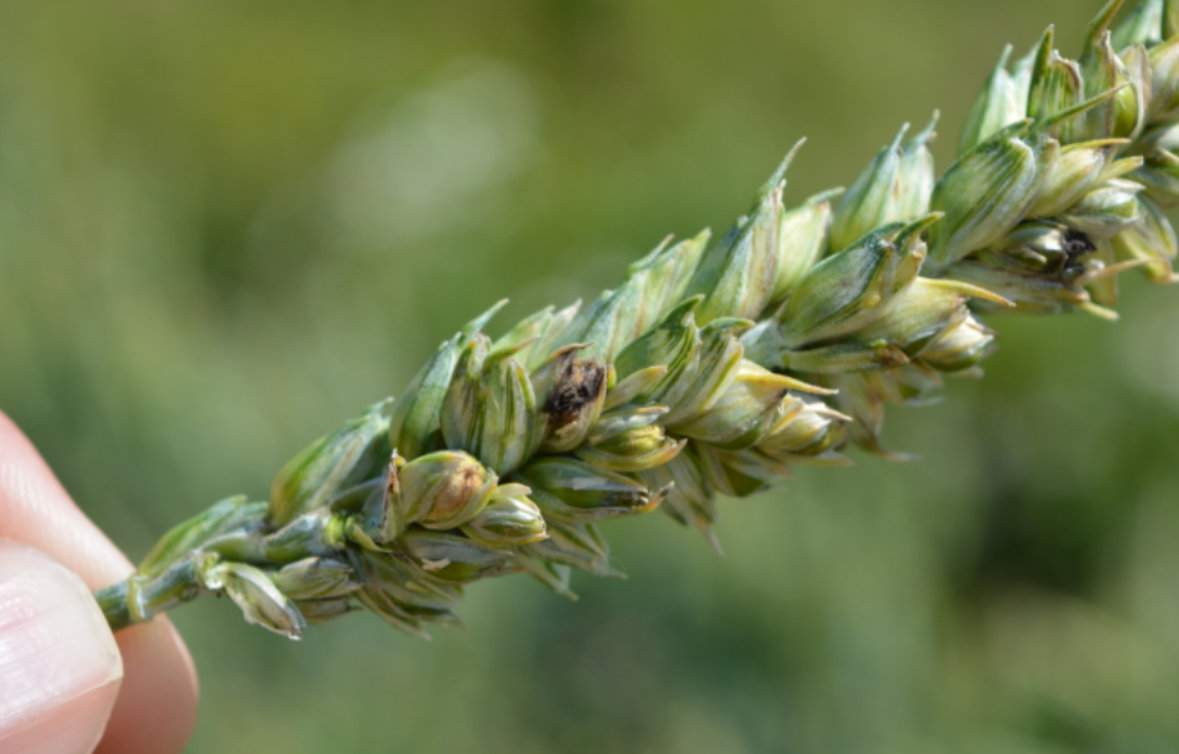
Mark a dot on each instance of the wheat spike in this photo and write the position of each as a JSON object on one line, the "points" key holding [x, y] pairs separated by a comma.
{"points": [[717, 363]]}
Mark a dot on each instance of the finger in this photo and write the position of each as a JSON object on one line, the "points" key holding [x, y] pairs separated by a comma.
{"points": [[59, 665], [34, 509], [156, 709], [156, 706]]}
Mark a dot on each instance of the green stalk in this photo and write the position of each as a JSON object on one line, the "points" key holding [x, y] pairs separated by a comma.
{"points": [[140, 598]]}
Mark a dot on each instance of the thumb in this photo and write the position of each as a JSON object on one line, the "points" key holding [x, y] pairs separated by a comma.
{"points": [[59, 665]]}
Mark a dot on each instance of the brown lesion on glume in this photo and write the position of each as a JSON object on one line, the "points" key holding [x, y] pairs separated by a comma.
{"points": [[579, 383], [458, 490]]}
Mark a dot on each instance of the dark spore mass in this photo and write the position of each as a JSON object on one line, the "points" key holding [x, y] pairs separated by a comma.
{"points": [[1077, 243], [580, 383]]}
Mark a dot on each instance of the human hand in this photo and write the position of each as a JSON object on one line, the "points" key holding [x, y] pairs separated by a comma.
{"points": [[67, 684]]}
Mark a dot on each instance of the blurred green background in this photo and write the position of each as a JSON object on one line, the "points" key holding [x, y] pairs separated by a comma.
{"points": [[225, 227]]}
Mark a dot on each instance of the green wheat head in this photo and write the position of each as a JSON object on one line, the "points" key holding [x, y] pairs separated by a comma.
{"points": [[718, 363]]}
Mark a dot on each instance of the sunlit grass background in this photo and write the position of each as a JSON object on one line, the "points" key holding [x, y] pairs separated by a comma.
{"points": [[225, 227]]}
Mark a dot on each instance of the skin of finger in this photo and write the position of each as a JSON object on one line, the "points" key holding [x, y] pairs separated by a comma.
{"points": [[59, 665], [156, 708], [69, 729]]}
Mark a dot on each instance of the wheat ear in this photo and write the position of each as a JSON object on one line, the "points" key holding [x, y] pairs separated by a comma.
{"points": [[717, 363]]}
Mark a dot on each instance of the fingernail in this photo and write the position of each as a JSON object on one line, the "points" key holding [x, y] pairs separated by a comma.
{"points": [[59, 664]]}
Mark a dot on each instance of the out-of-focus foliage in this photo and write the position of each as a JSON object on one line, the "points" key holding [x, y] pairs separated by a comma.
{"points": [[226, 226]]}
